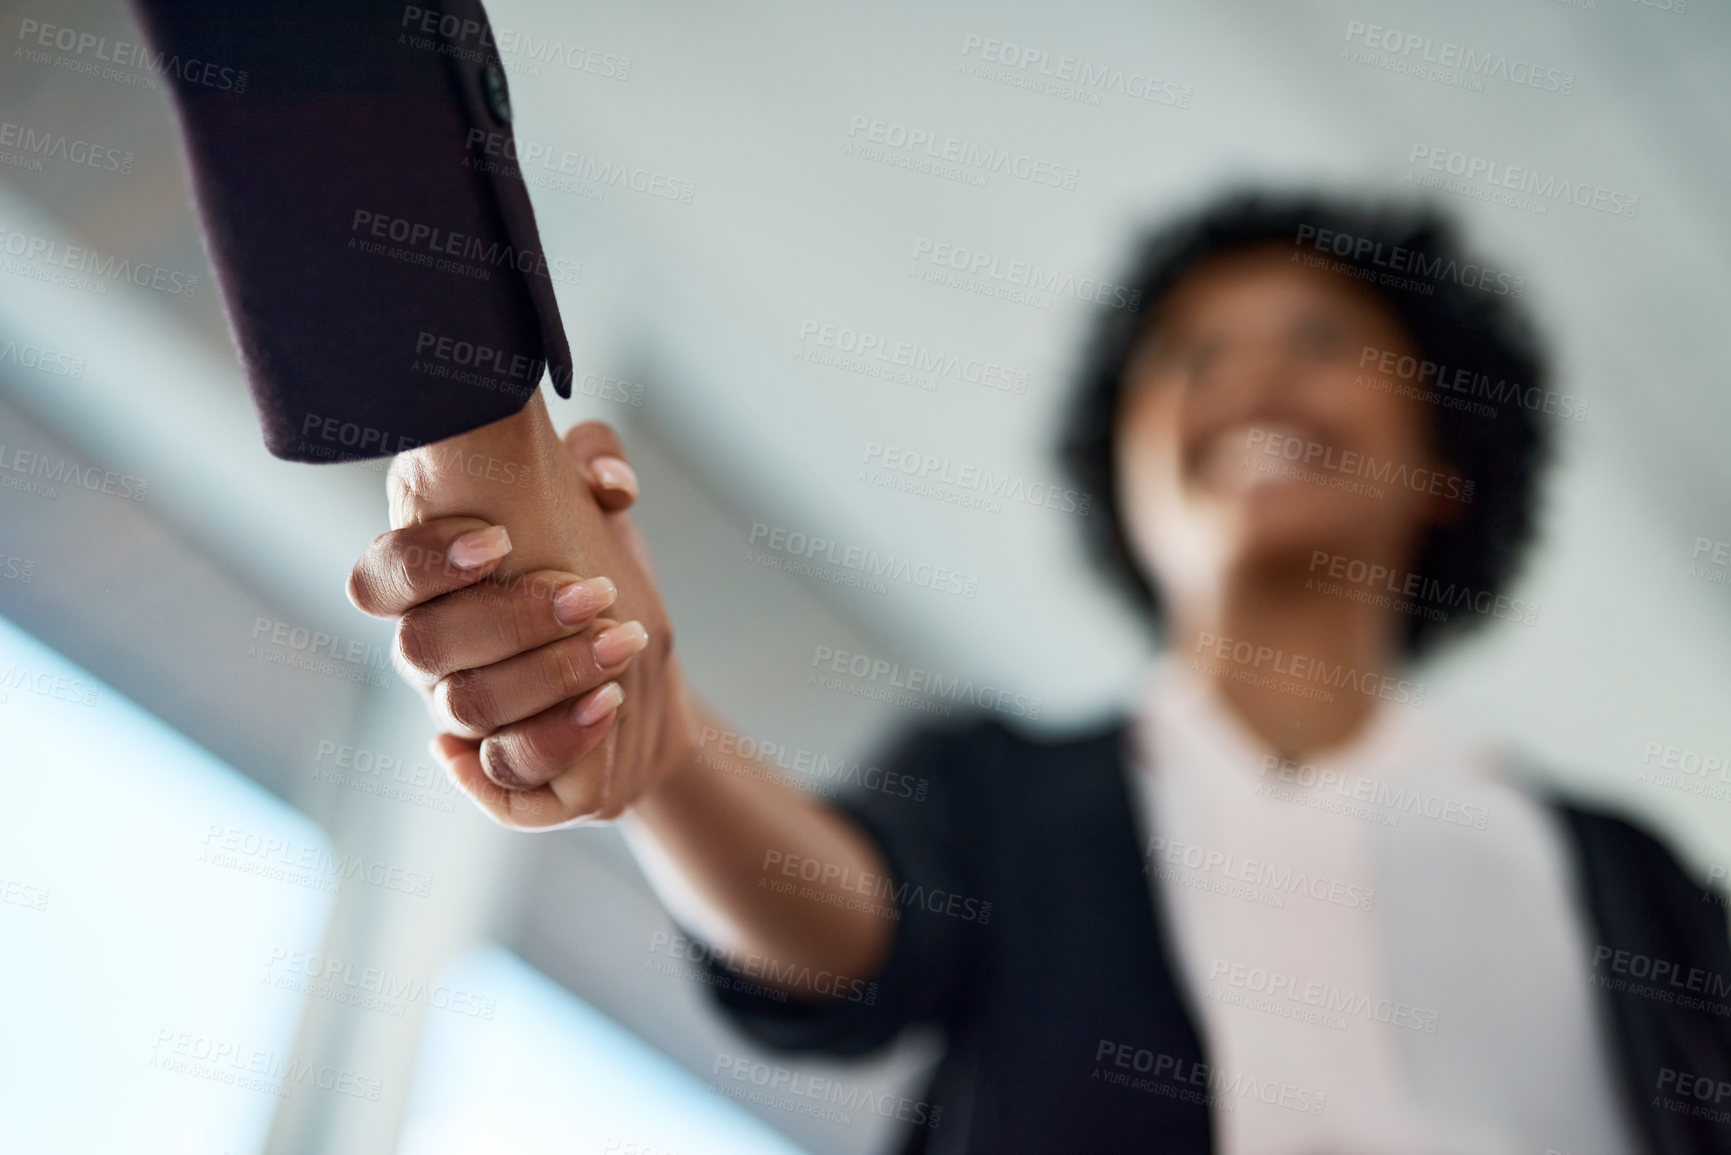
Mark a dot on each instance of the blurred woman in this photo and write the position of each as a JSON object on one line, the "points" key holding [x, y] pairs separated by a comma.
{"points": [[1277, 911]]}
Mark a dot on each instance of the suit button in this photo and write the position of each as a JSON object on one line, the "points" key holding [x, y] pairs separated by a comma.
{"points": [[498, 95]]}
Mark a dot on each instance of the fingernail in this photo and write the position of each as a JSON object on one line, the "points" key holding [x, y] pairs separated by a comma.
{"points": [[613, 473], [580, 601], [505, 776], [616, 643], [593, 707], [480, 546]]}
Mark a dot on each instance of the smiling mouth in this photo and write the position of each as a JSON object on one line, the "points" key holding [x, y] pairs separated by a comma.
{"points": [[1247, 455]]}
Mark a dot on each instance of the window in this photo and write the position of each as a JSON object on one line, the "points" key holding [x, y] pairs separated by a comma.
{"points": [[547, 1073], [145, 907]]}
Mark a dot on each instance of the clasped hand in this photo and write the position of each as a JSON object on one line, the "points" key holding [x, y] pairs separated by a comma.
{"points": [[533, 629]]}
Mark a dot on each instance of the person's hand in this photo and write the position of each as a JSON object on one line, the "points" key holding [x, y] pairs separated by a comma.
{"points": [[553, 715]]}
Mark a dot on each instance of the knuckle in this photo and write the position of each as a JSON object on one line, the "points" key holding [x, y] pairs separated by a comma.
{"points": [[501, 766], [382, 584], [600, 433], [536, 752], [520, 621], [360, 591], [581, 793], [467, 701], [420, 645], [570, 667]]}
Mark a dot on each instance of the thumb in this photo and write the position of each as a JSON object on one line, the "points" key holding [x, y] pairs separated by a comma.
{"points": [[601, 457]]}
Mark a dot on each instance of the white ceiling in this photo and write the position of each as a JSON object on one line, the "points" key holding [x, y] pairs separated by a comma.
{"points": [[704, 302]]}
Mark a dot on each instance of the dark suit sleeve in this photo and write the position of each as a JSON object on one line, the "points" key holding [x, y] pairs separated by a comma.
{"points": [[930, 846], [1661, 961], [355, 170]]}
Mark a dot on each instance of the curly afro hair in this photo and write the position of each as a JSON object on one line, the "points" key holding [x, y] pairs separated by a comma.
{"points": [[1457, 312]]}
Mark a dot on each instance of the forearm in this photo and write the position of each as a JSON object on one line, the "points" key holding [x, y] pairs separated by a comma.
{"points": [[711, 830], [722, 842], [495, 472]]}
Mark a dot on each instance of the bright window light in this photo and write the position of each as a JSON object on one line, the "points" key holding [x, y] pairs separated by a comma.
{"points": [[139, 916], [549, 1075]]}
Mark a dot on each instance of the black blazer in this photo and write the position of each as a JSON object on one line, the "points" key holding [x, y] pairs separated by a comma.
{"points": [[1071, 956], [356, 173]]}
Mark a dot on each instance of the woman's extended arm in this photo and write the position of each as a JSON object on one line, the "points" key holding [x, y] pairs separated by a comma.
{"points": [[549, 724], [758, 867]]}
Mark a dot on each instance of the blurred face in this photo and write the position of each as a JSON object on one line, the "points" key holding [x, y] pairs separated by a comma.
{"points": [[1249, 432]]}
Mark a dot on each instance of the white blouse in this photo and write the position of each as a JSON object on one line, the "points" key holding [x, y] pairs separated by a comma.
{"points": [[1381, 947]]}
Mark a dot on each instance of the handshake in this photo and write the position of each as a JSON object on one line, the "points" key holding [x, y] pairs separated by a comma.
{"points": [[527, 617]]}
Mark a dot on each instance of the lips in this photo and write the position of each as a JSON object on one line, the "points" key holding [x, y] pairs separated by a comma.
{"points": [[1247, 454]]}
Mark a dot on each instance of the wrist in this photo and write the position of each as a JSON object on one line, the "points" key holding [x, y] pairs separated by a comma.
{"points": [[479, 467], [680, 759]]}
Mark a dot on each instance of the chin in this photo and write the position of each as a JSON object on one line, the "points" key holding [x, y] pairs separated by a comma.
{"points": [[1280, 520]]}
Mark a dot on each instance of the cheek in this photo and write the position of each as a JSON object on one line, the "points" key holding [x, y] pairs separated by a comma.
{"points": [[1383, 421], [1149, 486], [1147, 447]]}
